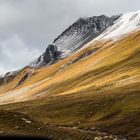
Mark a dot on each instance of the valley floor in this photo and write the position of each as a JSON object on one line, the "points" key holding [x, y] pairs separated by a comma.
{"points": [[72, 117]]}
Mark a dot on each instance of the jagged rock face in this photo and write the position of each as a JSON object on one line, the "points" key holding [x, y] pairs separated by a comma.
{"points": [[52, 54], [81, 32], [73, 38]]}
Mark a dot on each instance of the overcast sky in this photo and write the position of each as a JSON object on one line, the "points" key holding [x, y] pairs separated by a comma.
{"points": [[28, 26]]}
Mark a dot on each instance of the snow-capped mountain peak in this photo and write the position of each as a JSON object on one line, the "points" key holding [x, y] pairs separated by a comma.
{"points": [[127, 23]]}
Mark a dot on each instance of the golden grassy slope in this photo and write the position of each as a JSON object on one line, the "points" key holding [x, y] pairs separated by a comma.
{"points": [[45, 72], [114, 63], [102, 90]]}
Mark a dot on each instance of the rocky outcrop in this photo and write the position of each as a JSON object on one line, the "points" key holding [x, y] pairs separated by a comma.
{"points": [[51, 54]]}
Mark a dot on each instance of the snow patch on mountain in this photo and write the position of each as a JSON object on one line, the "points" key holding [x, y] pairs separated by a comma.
{"points": [[127, 23]]}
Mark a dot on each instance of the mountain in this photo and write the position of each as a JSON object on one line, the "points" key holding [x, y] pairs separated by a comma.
{"points": [[73, 38], [79, 91]]}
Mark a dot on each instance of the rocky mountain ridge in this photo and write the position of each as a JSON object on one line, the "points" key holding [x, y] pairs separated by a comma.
{"points": [[74, 38]]}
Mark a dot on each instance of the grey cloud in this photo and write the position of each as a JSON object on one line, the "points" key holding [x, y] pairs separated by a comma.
{"points": [[28, 26], [14, 50]]}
